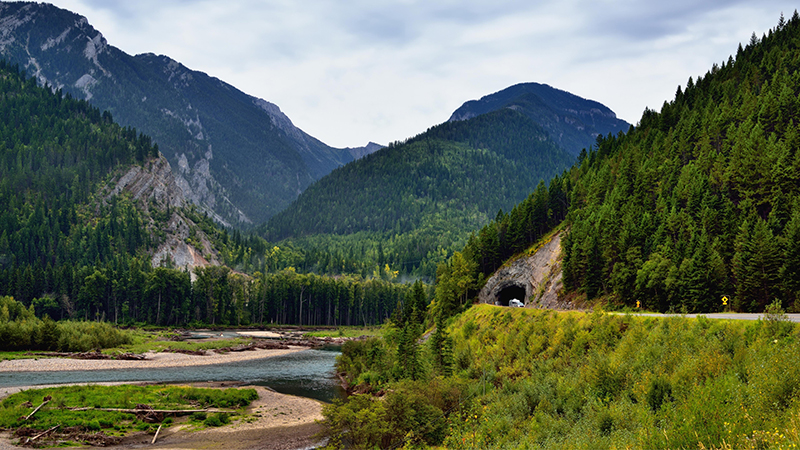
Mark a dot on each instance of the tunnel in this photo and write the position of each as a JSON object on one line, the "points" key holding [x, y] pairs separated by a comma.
{"points": [[510, 292]]}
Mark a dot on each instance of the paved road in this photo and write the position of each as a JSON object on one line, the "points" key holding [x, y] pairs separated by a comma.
{"points": [[728, 316]]}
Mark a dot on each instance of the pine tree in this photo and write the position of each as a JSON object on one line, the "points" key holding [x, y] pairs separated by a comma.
{"points": [[593, 283], [790, 271]]}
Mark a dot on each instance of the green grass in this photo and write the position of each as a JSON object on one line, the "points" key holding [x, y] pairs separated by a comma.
{"points": [[141, 341], [348, 332], [14, 408], [525, 378], [145, 341], [8, 356]]}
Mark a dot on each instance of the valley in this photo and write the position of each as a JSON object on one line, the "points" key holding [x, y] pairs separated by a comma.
{"points": [[139, 194]]}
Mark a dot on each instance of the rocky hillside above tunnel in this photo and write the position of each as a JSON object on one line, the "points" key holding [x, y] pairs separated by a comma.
{"points": [[533, 278]]}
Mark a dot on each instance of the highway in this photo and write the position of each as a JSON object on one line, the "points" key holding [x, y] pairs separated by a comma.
{"points": [[726, 316]]}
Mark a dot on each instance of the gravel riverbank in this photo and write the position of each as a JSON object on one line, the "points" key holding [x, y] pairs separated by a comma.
{"points": [[152, 360], [277, 421]]}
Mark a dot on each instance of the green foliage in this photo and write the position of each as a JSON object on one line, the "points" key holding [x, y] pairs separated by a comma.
{"points": [[14, 408], [417, 201], [540, 379], [659, 392], [699, 200], [217, 420], [414, 414], [20, 329]]}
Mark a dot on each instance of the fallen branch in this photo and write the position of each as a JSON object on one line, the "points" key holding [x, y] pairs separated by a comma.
{"points": [[41, 434], [156, 436], [37, 409], [143, 410]]}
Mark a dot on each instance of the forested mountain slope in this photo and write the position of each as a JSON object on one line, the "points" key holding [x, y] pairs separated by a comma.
{"points": [[702, 200], [572, 122], [54, 229], [93, 227], [238, 157], [430, 191]]}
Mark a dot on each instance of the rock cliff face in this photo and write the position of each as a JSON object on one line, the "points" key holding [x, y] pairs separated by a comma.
{"points": [[155, 190], [237, 157], [536, 277], [152, 182]]}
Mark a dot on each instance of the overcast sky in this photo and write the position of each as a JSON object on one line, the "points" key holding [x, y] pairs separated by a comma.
{"points": [[349, 72]]}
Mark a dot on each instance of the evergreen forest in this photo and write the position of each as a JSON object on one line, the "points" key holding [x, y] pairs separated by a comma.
{"points": [[414, 203], [70, 251], [702, 200], [698, 202]]}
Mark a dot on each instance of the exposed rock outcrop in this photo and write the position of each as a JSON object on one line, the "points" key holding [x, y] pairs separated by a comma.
{"points": [[151, 182], [360, 152], [154, 186], [538, 274], [261, 161]]}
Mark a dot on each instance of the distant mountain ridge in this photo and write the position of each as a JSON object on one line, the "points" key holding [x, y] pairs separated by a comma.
{"points": [[573, 122], [238, 157]]}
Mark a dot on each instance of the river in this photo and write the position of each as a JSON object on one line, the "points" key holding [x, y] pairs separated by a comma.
{"points": [[308, 373]]}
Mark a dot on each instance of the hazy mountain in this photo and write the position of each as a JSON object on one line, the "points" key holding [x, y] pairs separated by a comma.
{"points": [[236, 155], [360, 152], [573, 122]]}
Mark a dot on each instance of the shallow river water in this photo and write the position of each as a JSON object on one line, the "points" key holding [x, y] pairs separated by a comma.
{"points": [[309, 373]]}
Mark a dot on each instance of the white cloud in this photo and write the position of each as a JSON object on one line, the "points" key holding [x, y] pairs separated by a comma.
{"points": [[349, 72]]}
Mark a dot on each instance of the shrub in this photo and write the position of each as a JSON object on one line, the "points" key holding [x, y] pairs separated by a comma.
{"points": [[217, 420], [659, 392]]}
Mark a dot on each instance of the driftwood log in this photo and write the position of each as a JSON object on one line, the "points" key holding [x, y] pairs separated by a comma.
{"points": [[144, 410], [46, 401], [41, 434], [156, 436]]}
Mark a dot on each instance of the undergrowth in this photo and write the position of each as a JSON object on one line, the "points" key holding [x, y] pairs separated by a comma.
{"points": [[524, 378]]}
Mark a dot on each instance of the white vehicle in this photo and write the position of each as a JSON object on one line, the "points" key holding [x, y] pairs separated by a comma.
{"points": [[514, 303]]}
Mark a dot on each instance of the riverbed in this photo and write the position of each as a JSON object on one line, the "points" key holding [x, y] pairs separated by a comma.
{"points": [[305, 373]]}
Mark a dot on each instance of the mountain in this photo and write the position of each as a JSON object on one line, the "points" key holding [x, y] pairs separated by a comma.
{"points": [[408, 203], [86, 205], [696, 209], [573, 122], [360, 152], [238, 157]]}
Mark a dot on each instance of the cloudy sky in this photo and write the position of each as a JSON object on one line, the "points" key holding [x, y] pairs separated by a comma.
{"points": [[349, 72]]}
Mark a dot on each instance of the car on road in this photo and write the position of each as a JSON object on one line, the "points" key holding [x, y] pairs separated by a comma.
{"points": [[514, 303]]}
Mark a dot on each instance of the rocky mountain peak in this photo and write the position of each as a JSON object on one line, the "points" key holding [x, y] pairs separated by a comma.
{"points": [[261, 161], [572, 121]]}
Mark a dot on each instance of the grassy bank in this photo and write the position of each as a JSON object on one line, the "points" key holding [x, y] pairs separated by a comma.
{"points": [[345, 332], [522, 378], [98, 424]]}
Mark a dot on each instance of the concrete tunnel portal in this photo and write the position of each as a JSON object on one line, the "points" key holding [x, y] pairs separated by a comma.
{"points": [[506, 294]]}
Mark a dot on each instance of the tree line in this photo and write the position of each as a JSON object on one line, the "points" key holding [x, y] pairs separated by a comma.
{"points": [[415, 202], [700, 201], [70, 250]]}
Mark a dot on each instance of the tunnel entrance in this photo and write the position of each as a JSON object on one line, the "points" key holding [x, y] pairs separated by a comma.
{"points": [[508, 293]]}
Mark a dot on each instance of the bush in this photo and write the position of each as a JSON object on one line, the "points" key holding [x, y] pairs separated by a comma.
{"points": [[217, 420], [660, 391]]}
